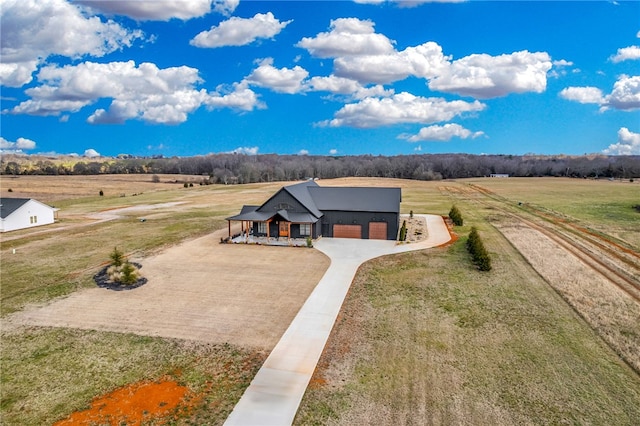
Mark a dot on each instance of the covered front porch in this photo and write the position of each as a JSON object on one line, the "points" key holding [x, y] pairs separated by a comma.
{"points": [[279, 228]]}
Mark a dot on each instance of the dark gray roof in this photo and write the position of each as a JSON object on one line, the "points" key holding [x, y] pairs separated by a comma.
{"points": [[300, 192], [357, 199], [251, 213], [9, 205], [317, 199]]}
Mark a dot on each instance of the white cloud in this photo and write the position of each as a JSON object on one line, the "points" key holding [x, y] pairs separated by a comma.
{"points": [[365, 56], [584, 95], [303, 152], [333, 151], [443, 133], [628, 143], [33, 30], [239, 31], [144, 92], [400, 108], [225, 7], [348, 36], [624, 96], [152, 10], [626, 54], [245, 150], [19, 145], [424, 61], [484, 76], [346, 86], [240, 98], [91, 153], [282, 80]]}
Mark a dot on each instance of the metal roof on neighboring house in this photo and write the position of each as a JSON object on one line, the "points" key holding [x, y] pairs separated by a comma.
{"points": [[9, 205]]}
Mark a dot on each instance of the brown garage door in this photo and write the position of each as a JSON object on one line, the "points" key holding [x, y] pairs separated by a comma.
{"points": [[347, 231], [377, 230]]}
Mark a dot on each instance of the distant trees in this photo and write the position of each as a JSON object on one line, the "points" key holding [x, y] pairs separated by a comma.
{"points": [[240, 168]]}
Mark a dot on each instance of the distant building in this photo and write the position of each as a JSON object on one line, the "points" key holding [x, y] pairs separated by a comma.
{"points": [[499, 175], [309, 210], [22, 213]]}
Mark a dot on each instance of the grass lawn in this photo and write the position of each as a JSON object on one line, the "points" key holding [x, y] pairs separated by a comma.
{"points": [[423, 338]]}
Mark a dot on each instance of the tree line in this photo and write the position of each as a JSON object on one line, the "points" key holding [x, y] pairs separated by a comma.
{"points": [[240, 168]]}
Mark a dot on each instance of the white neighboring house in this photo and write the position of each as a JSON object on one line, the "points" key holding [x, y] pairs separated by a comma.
{"points": [[22, 213]]}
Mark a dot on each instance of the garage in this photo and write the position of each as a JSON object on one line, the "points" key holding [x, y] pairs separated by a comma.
{"points": [[347, 231], [377, 230]]}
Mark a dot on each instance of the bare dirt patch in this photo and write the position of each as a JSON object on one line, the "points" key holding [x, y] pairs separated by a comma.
{"points": [[132, 405], [199, 290]]}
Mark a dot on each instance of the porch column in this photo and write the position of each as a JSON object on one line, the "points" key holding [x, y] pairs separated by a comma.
{"points": [[288, 231], [268, 232], [229, 222]]}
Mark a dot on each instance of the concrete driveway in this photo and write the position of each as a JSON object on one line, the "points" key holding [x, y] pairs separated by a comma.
{"points": [[275, 393]]}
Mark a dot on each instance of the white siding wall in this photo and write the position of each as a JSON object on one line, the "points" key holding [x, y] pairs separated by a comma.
{"points": [[32, 213]]}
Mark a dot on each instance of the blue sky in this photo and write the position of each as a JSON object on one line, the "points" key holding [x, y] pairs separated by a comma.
{"points": [[99, 77]]}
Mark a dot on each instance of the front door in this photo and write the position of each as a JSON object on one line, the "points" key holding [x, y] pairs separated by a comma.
{"points": [[284, 229]]}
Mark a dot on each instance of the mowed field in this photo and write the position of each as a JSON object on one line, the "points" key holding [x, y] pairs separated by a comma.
{"points": [[423, 338]]}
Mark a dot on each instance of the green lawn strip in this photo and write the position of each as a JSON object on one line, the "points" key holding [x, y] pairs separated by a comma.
{"points": [[48, 373], [440, 342]]}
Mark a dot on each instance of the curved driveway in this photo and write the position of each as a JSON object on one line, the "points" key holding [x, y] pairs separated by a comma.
{"points": [[275, 393]]}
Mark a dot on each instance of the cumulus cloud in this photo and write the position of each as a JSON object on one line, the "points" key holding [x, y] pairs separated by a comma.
{"points": [[142, 92], [91, 153], [398, 109], [584, 95], [282, 80], [19, 145], [333, 151], [246, 150], [363, 55], [626, 54], [348, 36], [424, 61], [346, 86], [152, 10], [628, 143], [240, 31], [303, 152], [240, 97], [442, 133], [33, 30], [484, 76], [625, 95]]}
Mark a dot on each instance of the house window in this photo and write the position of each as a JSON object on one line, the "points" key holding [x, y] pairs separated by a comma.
{"points": [[33, 219], [305, 229], [262, 227], [284, 206]]}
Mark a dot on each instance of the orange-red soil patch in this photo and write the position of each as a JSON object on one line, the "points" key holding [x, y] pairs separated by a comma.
{"points": [[454, 236], [131, 405]]}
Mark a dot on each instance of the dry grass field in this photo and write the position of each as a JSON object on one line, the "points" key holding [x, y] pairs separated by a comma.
{"points": [[423, 338]]}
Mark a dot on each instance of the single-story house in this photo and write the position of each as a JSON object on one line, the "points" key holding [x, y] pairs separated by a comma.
{"points": [[309, 210], [21, 213]]}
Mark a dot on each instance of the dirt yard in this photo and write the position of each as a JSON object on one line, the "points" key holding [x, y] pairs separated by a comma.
{"points": [[200, 290]]}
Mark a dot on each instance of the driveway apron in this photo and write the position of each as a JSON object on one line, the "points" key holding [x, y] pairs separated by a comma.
{"points": [[275, 393]]}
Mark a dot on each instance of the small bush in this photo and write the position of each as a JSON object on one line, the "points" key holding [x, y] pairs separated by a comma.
{"points": [[101, 193], [155, 179], [411, 214], [456, 216], [10, 190], [186, 185], [309, 242], [403, 231], [117, 257], [129, 274], [479, 254]]}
